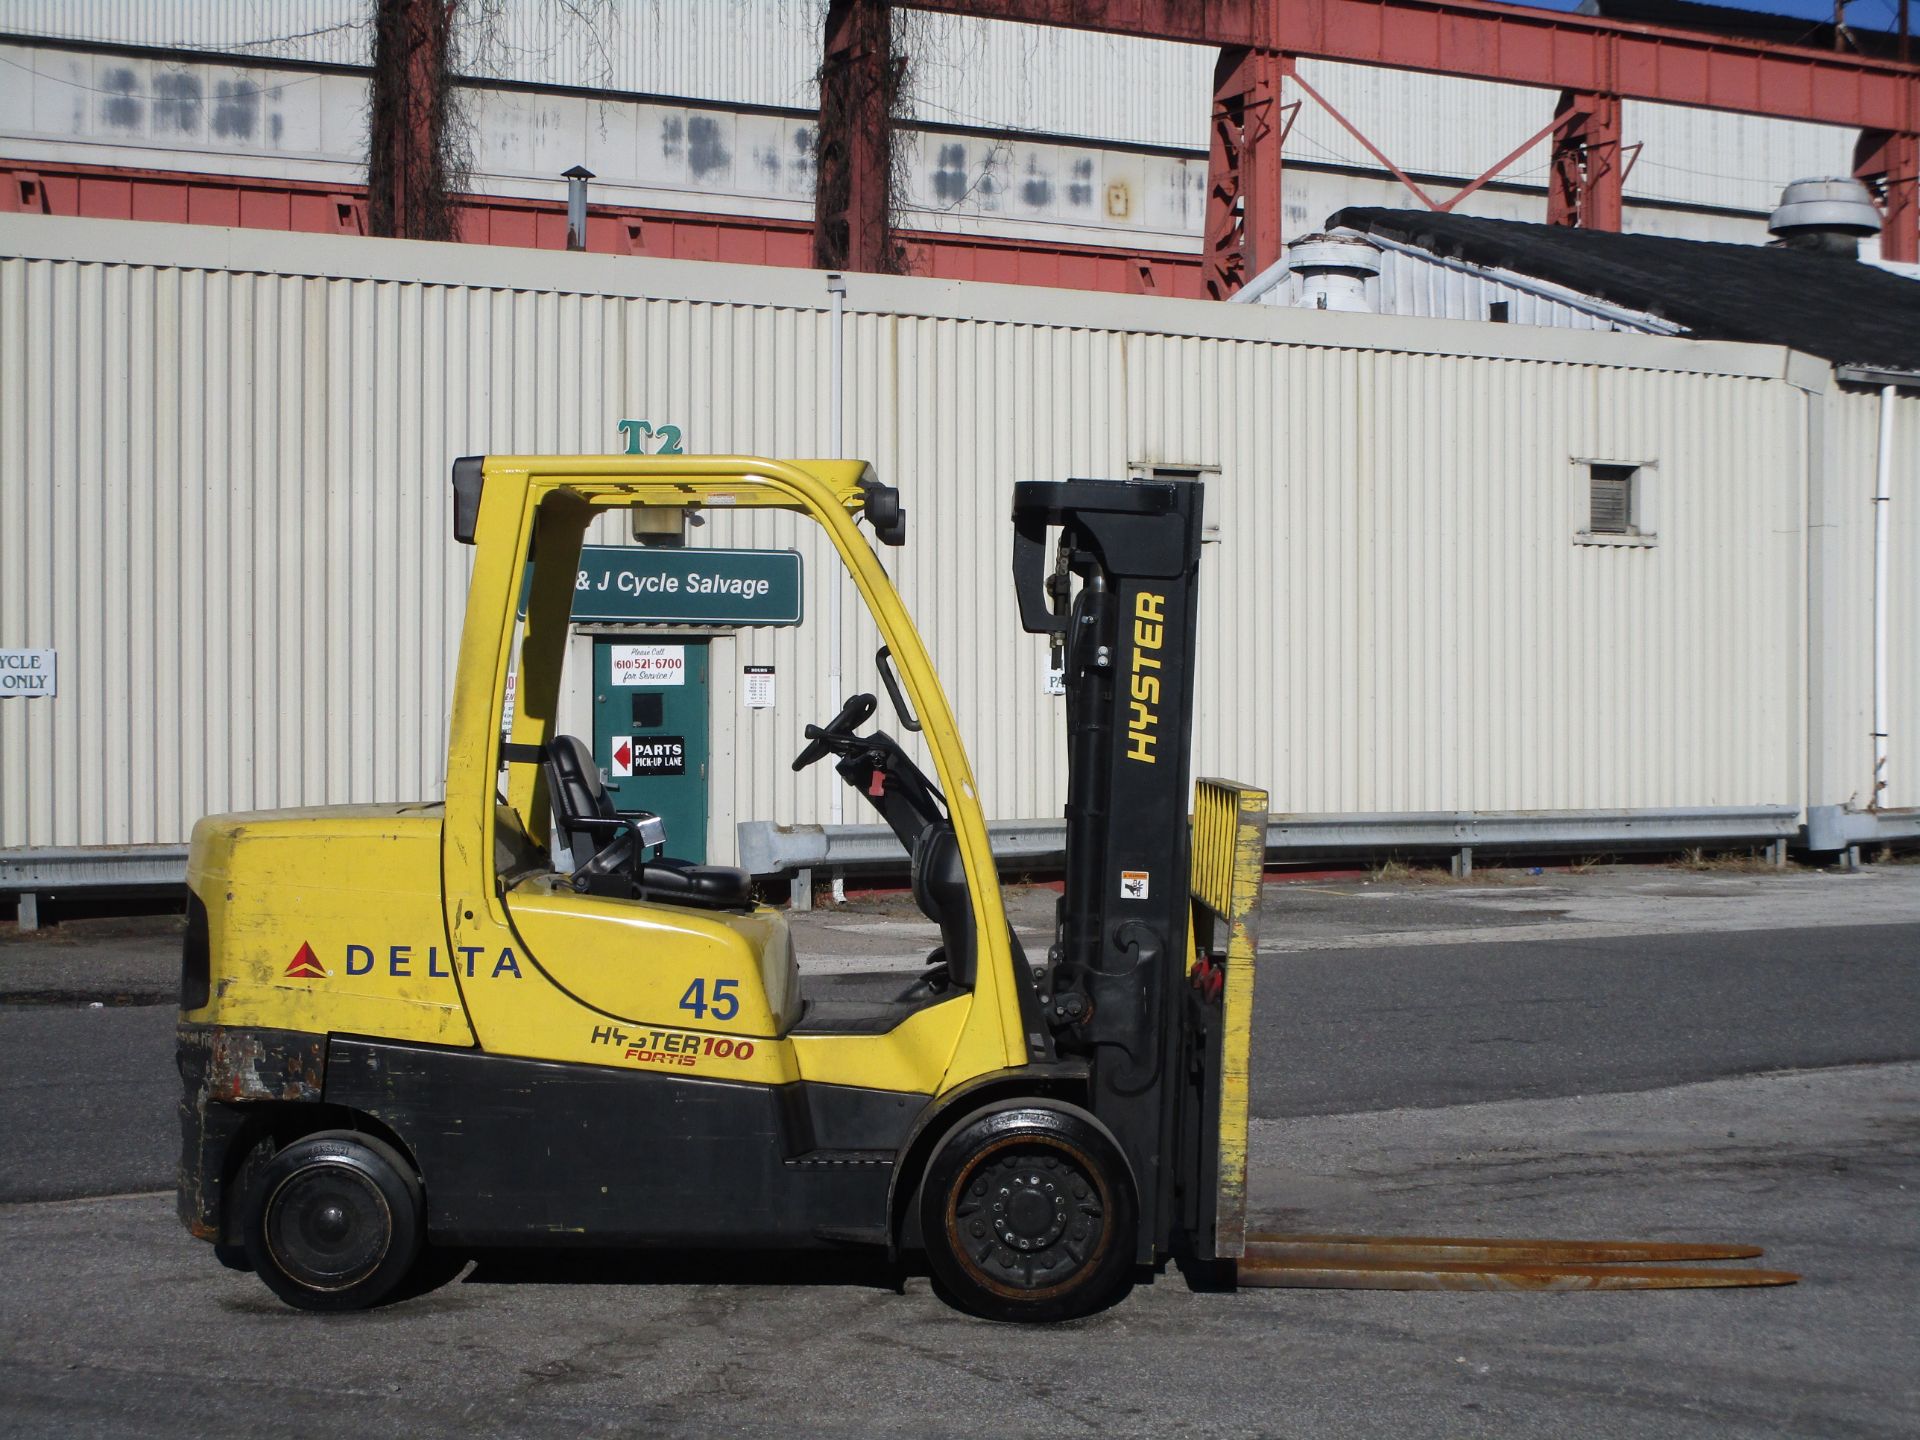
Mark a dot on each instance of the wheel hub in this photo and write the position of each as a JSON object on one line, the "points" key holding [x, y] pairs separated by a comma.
{"points": [[1029, 1204], [330, 1223], [328, 1226], [1029, 1216]]}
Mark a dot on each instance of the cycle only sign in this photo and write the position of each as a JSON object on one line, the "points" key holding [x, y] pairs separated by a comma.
{"points": [[31, 672]]}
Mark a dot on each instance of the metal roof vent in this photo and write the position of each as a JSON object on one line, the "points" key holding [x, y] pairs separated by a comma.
{"points": [[1827, 215], [1333, 271]]}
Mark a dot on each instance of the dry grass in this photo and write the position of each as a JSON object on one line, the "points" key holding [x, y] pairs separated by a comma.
{"points": [[1727, 862], [1395, 870]]}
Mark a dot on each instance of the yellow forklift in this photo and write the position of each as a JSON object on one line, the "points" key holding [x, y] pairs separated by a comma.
{"points": [[421, 1030]]}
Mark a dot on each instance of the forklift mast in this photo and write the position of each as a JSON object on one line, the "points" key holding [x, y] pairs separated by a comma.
{"points": [[1124, 638]]}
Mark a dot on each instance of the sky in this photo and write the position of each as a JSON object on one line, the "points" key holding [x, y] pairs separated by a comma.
{"points": [[1867, 14]]}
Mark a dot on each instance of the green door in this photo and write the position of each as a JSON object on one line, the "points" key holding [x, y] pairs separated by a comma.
{"points": [[650, 732]]}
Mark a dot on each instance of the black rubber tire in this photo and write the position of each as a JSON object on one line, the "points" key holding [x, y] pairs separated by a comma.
{"points": [[1028, 1215], [335, 1221], [435, 1267]]}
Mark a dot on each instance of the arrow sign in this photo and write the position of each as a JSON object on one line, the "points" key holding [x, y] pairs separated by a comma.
{"points": [[622, 758]]}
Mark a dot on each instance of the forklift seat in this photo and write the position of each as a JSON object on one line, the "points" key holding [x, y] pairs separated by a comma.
{"points": [[940, 890], [584, 813]]}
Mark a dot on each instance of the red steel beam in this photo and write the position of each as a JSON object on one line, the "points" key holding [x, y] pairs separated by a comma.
{"points": [[274, 203], [1244, 169], [407, 119], [853, 148], [1890, 165], [1586, 179], [1518, 47]]}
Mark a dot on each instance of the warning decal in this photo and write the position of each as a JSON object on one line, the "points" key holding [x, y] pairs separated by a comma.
{"points": [[1133, 884]]}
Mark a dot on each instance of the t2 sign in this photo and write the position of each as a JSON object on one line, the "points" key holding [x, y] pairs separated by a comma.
{"points": [[635, 434]]}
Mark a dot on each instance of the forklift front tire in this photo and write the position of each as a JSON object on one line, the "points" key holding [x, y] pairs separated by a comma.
{"points": [[1029, 1215], [335, 1221]]}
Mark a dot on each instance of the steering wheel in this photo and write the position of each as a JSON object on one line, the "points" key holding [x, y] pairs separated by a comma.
{"points": [[837, 733]]}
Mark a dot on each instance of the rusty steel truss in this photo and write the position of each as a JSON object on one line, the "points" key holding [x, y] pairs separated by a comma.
{"points": [[1594, 64]]}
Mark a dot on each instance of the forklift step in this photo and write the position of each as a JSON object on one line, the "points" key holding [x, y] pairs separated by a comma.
{"points": [[1413, 1262], [839, 1159]]}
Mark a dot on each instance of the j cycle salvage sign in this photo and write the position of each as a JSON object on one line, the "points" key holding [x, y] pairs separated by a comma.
{"points": [[688, 587]]}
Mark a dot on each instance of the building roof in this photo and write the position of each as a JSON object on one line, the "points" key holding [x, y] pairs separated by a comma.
{"points": [[1839, 309], [1752, 24]]}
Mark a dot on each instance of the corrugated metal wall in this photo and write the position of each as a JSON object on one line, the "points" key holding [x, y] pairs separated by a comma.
{"points": [[225, 504], [996, 76], [333, 32], [1841, 619], [1416, 282], [236, 117], [1903, 620]]}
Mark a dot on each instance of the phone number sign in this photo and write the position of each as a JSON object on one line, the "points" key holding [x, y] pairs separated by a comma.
{"points": [[688, 587], [647, 665]]}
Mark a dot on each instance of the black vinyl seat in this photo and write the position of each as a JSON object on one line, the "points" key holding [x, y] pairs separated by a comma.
{"points": [[613, 844], [940, 890]]}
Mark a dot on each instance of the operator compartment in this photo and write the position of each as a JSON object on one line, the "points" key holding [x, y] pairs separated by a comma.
{"points": [[600, 872], [644, 962]]}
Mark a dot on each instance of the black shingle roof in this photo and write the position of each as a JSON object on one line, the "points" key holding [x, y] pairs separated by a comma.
{"points": [[1825, 305], [1753, 24]]}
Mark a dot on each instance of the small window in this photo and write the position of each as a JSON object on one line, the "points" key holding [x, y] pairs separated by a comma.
{"points": [[1499, 312], [1617, 508], [1611, 499]]}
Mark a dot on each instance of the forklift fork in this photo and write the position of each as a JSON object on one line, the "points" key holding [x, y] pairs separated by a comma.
{"points": [[1417, 1262], [1229, 845]]}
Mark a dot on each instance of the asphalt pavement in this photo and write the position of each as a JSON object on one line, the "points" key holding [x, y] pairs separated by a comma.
{"points": [[1657, 1054]]}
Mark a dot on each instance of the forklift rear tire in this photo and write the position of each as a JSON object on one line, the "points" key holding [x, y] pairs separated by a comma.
{"points": [[335, 1221], [1029, 1215]]}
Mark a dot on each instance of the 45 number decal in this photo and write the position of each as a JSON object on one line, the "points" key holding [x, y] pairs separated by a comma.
{"points": [[719, 996]]}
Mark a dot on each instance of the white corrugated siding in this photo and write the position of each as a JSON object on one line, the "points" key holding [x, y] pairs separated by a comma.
{"points": [[1425, 633], [1903, 627], [995, 76], [225, 504], [1422, 284], [334, 32], [1841, 770]]}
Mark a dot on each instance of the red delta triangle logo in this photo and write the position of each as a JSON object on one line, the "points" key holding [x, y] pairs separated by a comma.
{"points": [[306, 965]]}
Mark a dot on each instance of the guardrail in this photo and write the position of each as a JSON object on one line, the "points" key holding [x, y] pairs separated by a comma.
{"points": [[33, 873], [797, 850], [768, 849]]}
